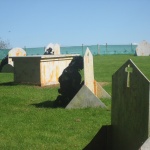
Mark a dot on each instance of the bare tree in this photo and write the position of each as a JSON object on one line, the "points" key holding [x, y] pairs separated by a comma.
{"points": [[4, 44]]}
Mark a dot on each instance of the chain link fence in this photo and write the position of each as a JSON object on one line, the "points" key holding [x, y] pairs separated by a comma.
{"points": [[95, 49]]}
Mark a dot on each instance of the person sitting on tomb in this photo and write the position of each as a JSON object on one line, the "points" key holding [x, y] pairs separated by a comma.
{"points": [[49, 51]]}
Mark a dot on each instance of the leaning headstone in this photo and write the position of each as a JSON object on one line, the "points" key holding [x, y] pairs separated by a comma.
{"points": [[130, 108], [15, 52], [143, 49]]}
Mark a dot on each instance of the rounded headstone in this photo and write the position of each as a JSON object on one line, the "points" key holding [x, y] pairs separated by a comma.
{"points": [[143, 49], [15, 52]]}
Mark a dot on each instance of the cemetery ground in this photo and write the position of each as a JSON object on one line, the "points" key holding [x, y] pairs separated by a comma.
{"points": [[28, 119]]}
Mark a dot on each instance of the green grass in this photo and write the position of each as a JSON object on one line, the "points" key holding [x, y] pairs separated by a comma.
{"points": [[25, 122], [106, 66]]}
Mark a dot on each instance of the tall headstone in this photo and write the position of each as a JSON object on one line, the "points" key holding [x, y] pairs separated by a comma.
{"points": [[143, 49], [89, 80], [15, 52], [87, 95], [88, 70], [130, 116]]}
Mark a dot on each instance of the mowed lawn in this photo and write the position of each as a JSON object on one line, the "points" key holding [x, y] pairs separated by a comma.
{"points": [[29, 122]]}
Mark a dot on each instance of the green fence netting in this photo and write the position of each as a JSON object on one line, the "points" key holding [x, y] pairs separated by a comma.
{"points": [[95, 49]]}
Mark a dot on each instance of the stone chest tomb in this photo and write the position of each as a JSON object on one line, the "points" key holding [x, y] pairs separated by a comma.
{"points": [[40, 70]]}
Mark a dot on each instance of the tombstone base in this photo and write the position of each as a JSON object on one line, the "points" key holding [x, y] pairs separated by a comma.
{"points": [[85, 98], [100, 92]]}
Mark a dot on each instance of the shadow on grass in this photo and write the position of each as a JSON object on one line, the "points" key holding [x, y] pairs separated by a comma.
{"points": [[45, 104], [8, 84], [102, 140]]}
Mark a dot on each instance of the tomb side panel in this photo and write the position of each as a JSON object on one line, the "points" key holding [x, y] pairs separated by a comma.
{"points": [[27, 71], [51, 70]]}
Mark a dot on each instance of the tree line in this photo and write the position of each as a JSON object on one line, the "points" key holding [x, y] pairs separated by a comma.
{"points": [[4, 44]]}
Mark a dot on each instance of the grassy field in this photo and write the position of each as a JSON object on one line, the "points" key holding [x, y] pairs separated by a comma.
{"points": [[26, 121]]}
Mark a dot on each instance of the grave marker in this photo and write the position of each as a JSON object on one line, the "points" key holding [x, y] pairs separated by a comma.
{"points": [[89, 80], [56, 49], [88, 70], [130, 113], [87, 95], [15, 52], [8, 64], [130, 117], [143, 49]]}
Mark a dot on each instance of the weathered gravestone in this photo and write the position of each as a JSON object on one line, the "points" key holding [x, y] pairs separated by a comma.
{"points": [[15, 52], [143, 49], [52, 49], [7, 65], [57, 49], [130, 117], [86, 96], [88, 70], [89, 80]]}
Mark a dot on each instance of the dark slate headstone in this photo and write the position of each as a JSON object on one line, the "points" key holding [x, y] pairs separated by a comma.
{"points": [[130, 117]]}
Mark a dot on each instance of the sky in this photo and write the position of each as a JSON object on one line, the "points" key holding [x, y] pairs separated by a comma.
{"points": [[36, 23]]}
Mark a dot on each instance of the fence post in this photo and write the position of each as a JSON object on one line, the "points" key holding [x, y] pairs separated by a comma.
{"points": [[106, 48], [98, 49], [82, 50], [25, 48], [131, 47]]}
